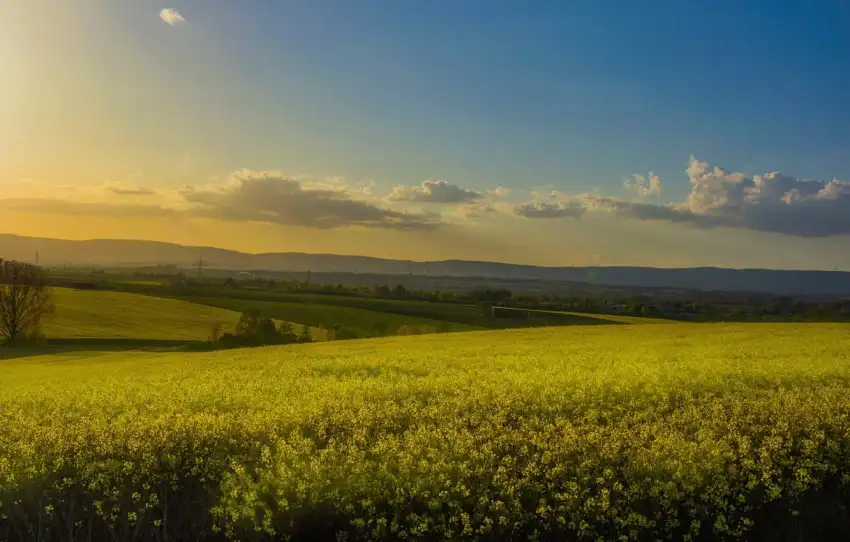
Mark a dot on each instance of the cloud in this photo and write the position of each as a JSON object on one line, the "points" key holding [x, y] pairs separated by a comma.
{"points": [[128, 191], [476, 210], [275, 198], [85, 208], [552, 208], [172, 16], [249, 196], [499, 192], [433, 192], [772, 202], [644, 186]]}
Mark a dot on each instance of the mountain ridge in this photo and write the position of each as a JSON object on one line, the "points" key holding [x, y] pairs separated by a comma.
{"points": [[137, 252]]}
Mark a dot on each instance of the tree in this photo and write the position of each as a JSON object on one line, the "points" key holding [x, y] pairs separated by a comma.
{"points": [[287, 332], [399, 290], [380, 328], [230, 283], [24, 299], [257, 328]]}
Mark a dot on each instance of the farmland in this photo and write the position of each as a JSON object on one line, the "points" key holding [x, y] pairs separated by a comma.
{"points": [[356, 322], [355, 315], [82, 314], [629, 432]]}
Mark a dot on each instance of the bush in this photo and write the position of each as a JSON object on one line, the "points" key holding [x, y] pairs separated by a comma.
{"points": [[253, 329]]}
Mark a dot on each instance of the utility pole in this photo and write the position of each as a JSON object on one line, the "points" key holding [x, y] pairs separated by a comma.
{"points": [[36, 256], [201, 264], [308, 276]]}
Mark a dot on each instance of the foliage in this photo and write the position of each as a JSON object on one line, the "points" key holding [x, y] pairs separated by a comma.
{"points": [[287, 331], [256, 329], [306, 334], [678, 431], [25, 299]]}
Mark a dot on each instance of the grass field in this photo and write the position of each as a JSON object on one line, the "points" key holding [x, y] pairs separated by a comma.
{"points": [[92, 314], [356, 321], [677, 431]]}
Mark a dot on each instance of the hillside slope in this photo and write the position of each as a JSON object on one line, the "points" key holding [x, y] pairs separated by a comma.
{"points": [[117, 315], [137, 252]]}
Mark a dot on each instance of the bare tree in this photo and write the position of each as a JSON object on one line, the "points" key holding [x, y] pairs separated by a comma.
{"points": [[24, 299]]}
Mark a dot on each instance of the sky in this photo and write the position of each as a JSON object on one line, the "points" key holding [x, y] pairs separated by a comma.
{"points": [[658, 133]]}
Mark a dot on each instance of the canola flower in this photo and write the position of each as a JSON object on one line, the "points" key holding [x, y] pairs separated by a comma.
{"points": [[680, 432]]}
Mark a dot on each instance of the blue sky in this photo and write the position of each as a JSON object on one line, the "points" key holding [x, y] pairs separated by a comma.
{"points": [[534, 96], [572, 94]]}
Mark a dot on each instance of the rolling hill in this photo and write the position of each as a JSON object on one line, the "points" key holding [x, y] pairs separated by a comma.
{"points": [[83, 314], [145, 253]]}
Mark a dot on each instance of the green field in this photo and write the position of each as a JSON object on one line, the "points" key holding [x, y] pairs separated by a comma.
{"points": [[92, 314], [356, 321], [677, 431]]}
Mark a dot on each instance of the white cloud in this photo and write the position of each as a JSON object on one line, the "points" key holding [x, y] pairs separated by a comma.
{"points": [[556, 206], [172, 16], [772, 202], [433, 191], [644, 186]]}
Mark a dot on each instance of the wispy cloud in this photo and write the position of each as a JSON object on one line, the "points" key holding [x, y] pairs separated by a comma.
{"points": [[434, 191], [120, 190], [551, 208], [172, 16]]}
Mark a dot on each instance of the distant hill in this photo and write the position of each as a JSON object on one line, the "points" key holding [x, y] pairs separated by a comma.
{"points": [[111, 252]]}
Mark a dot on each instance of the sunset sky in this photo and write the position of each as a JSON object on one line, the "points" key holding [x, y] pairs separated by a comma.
{"points": [[660, 133]]}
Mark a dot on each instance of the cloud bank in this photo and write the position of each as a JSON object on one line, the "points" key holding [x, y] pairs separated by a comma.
{"points": [[246, 196], [772, 202], [277, 199]]}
